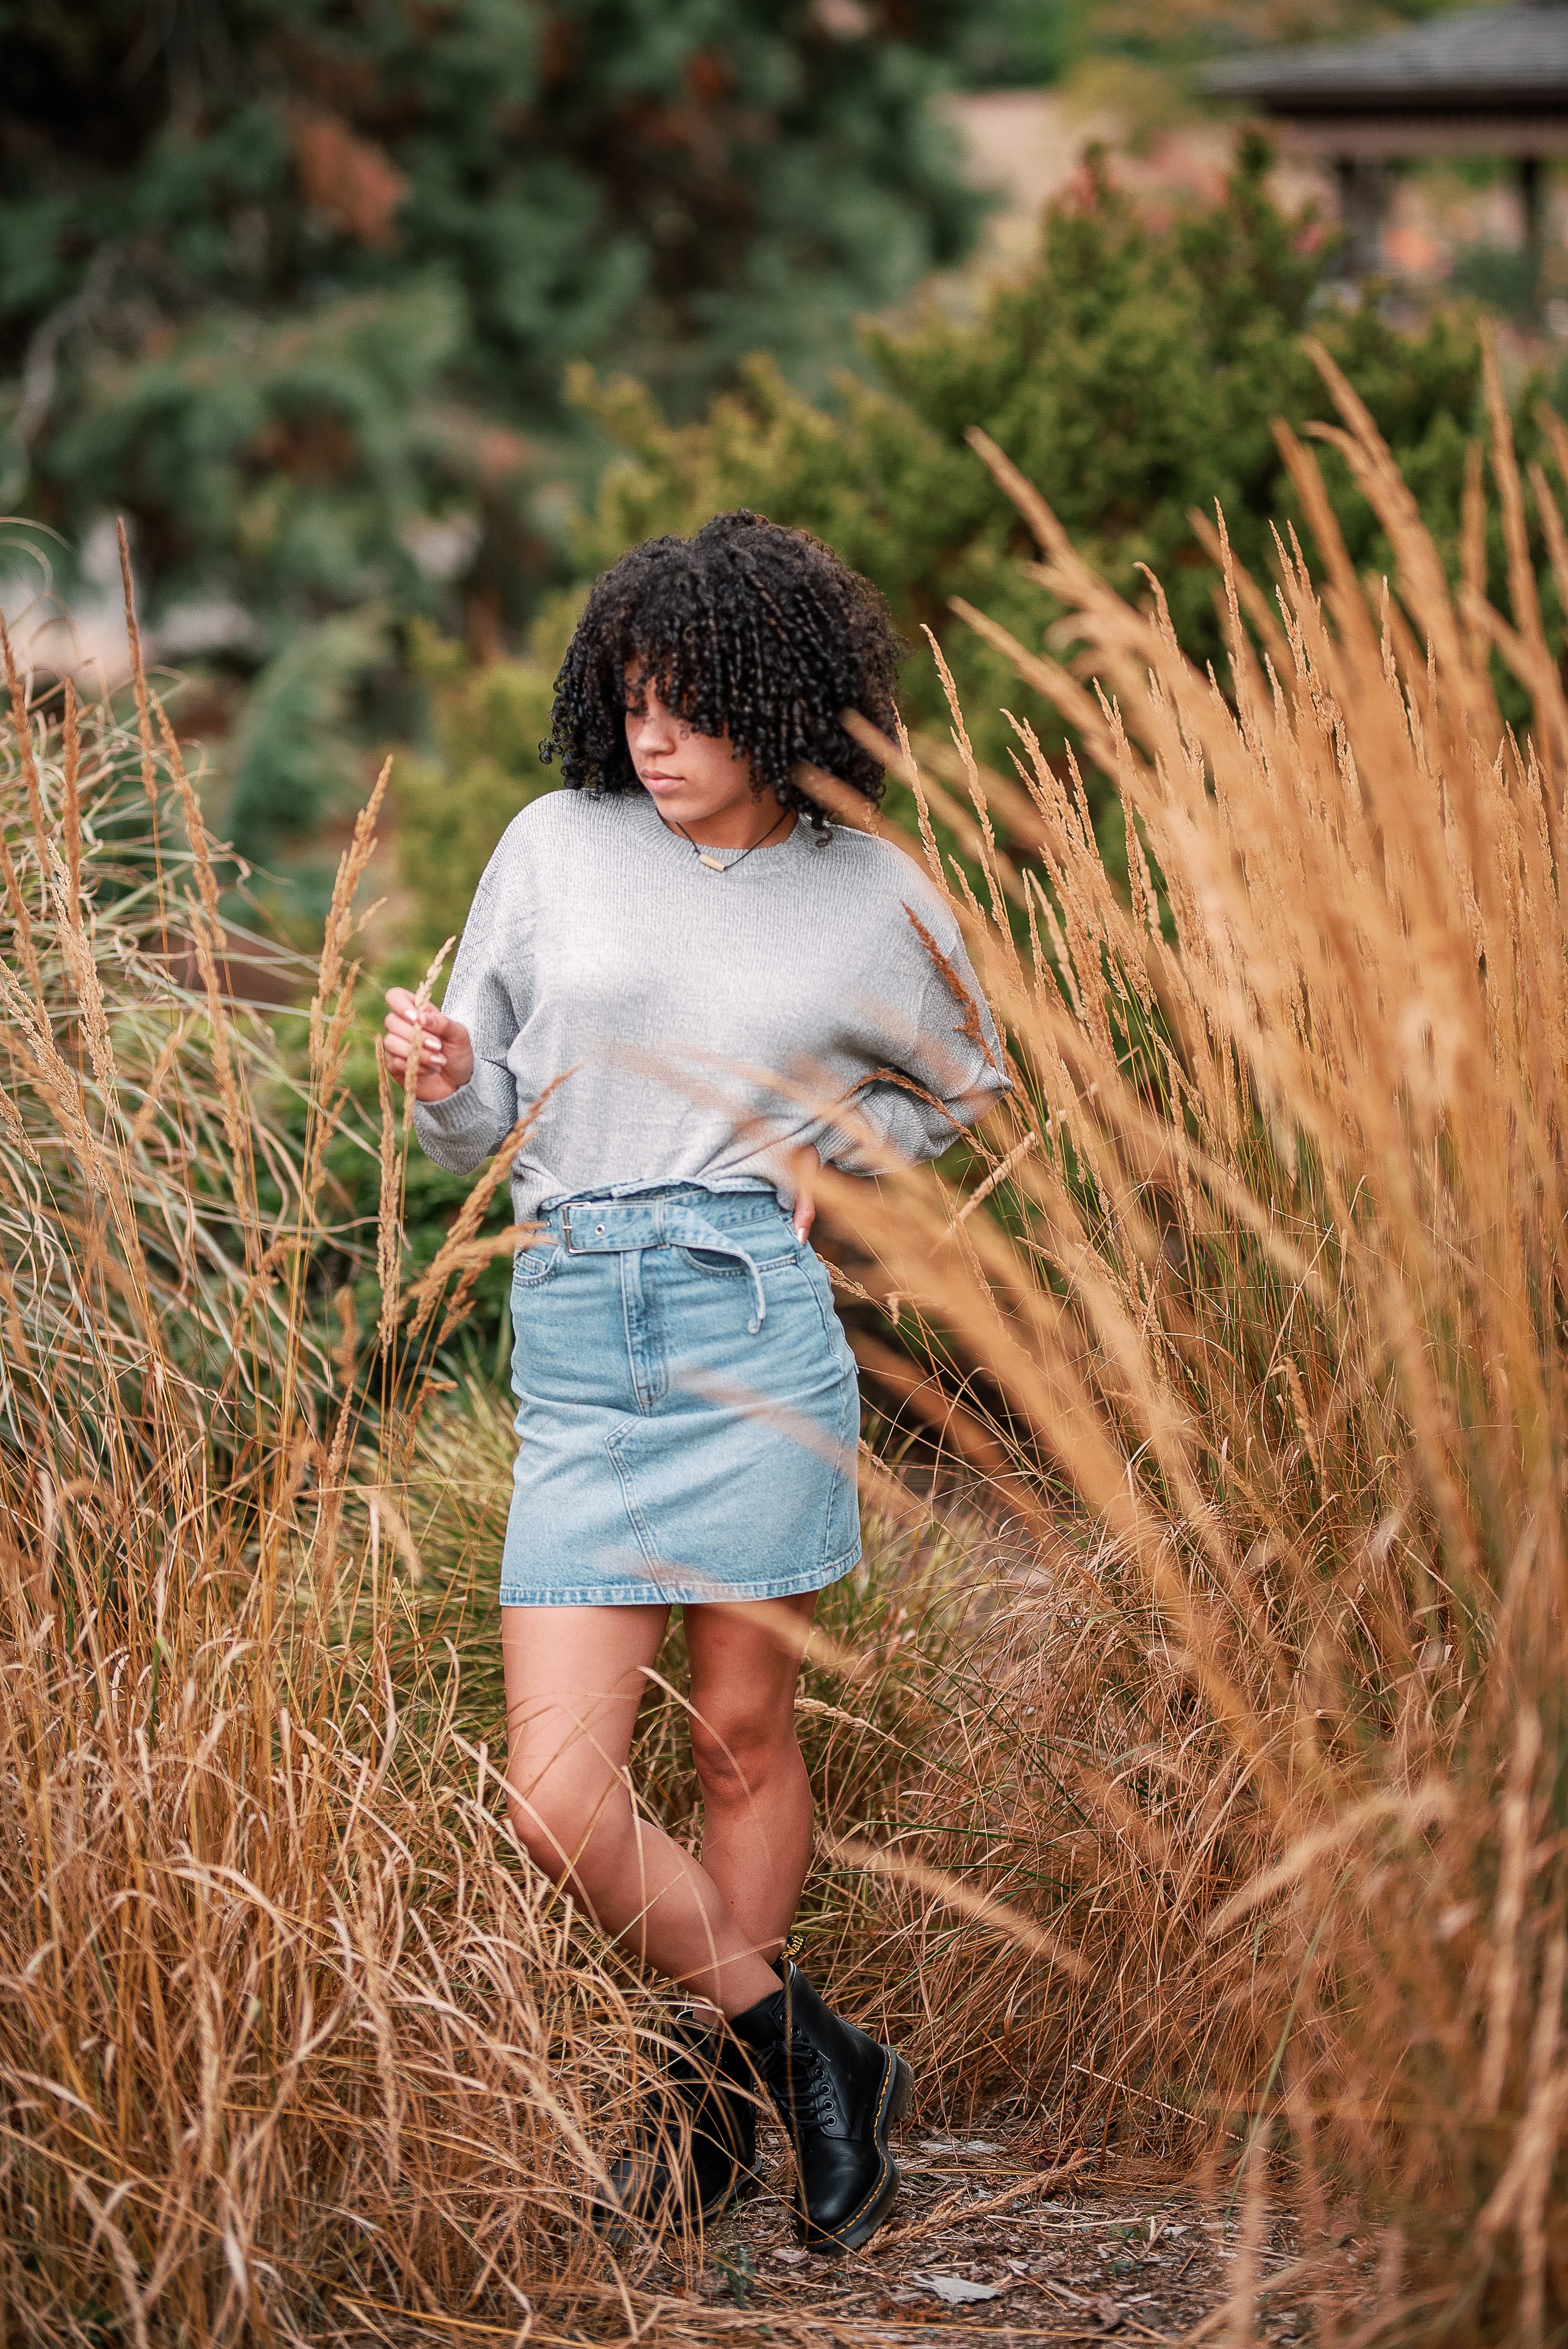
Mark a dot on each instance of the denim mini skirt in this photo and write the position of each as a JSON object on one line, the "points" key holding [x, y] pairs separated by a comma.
{"points": [[688, 1414]]}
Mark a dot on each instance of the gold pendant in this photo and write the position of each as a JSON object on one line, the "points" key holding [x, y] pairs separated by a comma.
{"points": [[713, 864]]}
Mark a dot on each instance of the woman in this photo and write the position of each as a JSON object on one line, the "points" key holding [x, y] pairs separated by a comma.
{"points": [[695, 992]]}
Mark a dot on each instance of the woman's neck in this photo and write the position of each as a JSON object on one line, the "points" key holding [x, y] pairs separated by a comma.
{"points": [[745, 824]]}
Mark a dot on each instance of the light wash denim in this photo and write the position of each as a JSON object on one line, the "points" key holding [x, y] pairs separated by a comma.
{"points": [[688, 1412]]}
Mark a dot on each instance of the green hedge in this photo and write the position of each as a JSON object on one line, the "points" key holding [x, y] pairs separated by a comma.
{"points": [[1134, 370]]}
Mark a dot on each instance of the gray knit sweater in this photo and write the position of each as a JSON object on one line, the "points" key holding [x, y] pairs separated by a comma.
{"points": [[704, 1025]]}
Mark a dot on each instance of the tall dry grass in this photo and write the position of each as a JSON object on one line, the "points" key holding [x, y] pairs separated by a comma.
{"points": [[289, 2040], [295, 2043], [1269, 1302], [1190, 1749]]}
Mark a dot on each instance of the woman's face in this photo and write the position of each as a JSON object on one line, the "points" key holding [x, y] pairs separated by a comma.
{"points": [[693, 777]]}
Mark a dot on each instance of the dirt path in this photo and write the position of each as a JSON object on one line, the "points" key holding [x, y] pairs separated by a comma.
{"points": [[991, 2242]]}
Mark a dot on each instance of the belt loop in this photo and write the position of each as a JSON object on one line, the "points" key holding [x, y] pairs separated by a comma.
{"points": [[757, 1291]]}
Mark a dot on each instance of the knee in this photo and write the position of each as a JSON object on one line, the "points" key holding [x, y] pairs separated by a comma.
{"points": [[549, 1832], [562, 1834], [737, 1759]]}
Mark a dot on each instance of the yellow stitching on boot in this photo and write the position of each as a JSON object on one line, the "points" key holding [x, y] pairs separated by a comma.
{"points": [[888, 2162]]}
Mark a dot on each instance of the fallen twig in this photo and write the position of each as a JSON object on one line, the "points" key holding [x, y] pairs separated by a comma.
{"points": [[951, 2206]]}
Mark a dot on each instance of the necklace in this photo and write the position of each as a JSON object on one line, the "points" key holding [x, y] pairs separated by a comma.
{"points": [[712, 863]]}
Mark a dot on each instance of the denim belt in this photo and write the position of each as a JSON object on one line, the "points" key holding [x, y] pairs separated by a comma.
{"points": [[621, 1226]]}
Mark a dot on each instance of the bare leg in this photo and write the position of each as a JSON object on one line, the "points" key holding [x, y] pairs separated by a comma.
{"points": [[575, 1676], [757, 1797]]}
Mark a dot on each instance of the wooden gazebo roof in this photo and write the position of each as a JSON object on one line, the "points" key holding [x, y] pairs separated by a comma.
{"points": [[1484, 81]]}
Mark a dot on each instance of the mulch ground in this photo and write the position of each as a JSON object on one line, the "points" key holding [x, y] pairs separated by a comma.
{"points": [[989, 2243], [992, 2243]]}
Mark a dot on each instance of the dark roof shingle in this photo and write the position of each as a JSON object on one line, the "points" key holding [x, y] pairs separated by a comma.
{"points": [[1483, 58]]}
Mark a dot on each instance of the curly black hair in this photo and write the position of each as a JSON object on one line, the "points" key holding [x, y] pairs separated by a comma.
{"points": [[747, 626]]}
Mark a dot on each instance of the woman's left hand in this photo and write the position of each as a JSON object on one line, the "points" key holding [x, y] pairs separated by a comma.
{"points": [[804, 1169]]}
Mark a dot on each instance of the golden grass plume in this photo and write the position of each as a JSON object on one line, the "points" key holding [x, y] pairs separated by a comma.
{"points": [[1192, 1767], [1268, 1300]]}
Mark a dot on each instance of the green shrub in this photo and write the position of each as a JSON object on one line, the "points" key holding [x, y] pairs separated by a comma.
{"points": [[453, 805], [1133, 372]]}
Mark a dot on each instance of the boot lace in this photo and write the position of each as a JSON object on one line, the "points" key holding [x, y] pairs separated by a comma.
{"points": [[799, 2084]]}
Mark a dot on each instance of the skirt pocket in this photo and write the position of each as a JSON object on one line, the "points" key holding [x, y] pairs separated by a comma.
{"points": [[531, 1268]]}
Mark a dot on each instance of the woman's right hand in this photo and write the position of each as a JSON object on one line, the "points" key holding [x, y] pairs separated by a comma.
{"points": [[446, 1053]]}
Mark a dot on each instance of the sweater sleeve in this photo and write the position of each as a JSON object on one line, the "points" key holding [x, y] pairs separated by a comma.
{"points": [[473, 1122], [947, 1079]]}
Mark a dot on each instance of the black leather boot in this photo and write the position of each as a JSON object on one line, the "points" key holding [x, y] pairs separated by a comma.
{"points": [[695, 2148], [837, 2093]]}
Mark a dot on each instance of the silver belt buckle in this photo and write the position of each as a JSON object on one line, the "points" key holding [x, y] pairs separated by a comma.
{"points": [[568, 1228]]}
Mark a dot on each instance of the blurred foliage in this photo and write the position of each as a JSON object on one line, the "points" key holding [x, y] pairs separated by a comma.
{"points": [[1504, 278], [1028, 43], [293, 758], [290, 285], [1133, 372], [454, 804]]}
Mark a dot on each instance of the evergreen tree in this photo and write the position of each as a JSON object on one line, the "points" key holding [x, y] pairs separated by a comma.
{"points": [[290, 283]]}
